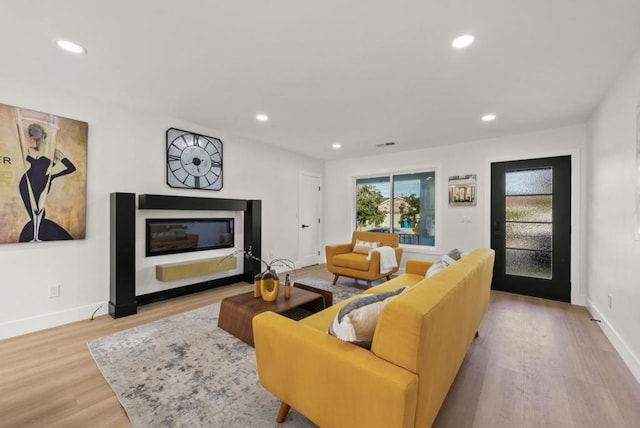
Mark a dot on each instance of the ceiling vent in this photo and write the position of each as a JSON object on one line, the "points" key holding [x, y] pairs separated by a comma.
{"points": [[390, 143]]}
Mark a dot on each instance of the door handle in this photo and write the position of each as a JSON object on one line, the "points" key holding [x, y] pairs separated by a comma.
{"points": [[305, 225]]}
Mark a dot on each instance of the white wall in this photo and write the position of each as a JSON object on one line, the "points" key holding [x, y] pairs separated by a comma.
{"points": [[613, 254], [468, 158], [126, 153]]}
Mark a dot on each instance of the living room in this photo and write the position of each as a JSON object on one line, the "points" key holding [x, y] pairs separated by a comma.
{"points": [[127, 151]]}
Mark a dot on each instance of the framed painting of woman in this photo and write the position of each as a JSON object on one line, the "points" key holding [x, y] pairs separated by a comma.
{"points": [[43, 176]]}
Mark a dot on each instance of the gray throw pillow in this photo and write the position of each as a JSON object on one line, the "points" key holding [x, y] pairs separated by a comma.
{"points": [[451, 257]]}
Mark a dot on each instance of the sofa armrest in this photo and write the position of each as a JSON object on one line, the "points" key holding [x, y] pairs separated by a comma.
{"points": [[398, 251], [418, 267], [374, 258], [332, 382]]}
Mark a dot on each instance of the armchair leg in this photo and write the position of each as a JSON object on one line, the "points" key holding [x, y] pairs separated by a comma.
{"points": [[477, 335], [282, 413], [388, 277], [335, 279], [368, 284]]}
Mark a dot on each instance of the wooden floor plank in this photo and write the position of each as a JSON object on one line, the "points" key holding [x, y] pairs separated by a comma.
{"points": [[545, 401], [501, 400]]}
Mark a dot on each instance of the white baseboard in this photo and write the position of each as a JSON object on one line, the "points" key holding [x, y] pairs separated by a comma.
{"points": [[53, 319], [631, 360]]}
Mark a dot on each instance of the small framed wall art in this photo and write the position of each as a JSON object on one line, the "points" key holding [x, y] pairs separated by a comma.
{"points": [[462, 190], [194, 161]]}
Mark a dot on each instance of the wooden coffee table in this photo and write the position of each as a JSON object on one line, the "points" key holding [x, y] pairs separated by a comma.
{"points": [[319, 286], [237, 312]]}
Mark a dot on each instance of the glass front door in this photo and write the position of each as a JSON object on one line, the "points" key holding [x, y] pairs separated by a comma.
{"points": [[531, 227]]}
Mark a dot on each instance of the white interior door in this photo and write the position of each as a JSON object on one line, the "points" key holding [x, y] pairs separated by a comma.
{"points": [[309, 227]]}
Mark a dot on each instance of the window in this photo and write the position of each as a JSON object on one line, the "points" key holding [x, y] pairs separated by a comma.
{"points": [[399, 203]]}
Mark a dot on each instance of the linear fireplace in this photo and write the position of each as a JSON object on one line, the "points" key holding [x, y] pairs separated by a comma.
{"points": [[170, 236]]}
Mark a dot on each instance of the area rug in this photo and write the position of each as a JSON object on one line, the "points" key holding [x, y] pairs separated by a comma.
{"points": [[184, 371]]}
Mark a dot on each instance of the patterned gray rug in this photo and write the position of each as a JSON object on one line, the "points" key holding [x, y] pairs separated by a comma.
{"points": [[184, 371]]}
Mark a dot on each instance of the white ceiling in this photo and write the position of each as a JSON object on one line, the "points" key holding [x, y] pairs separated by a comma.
{"points": [[358, 72]]}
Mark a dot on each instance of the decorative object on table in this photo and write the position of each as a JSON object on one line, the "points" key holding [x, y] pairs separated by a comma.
{"points": [[462, 190], [287, 287], [43, 176], [257, 281], [267, 283], [194, 161]]}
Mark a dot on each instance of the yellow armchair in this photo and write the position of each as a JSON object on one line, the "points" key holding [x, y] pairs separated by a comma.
{"points": [[343, 261]]}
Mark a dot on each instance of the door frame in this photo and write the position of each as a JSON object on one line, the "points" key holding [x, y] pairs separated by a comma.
{"points": [[578, 212], [320, 214], [557, 285]]}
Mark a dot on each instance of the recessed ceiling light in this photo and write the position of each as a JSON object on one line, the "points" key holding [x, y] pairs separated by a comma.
{"points": [[336, 145], [489, 117], [462, 41], [70, 47], [262, 117]]}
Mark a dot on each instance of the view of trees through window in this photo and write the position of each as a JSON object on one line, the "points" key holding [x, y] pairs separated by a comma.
{"points": [[399, 203]]}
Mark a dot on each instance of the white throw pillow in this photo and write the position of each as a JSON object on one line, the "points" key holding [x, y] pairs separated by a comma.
{"points": [[356, 321], [434, 268]]}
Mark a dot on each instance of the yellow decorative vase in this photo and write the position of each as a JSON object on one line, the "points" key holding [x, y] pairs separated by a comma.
{"points": [[269, 286], [257, 283]]}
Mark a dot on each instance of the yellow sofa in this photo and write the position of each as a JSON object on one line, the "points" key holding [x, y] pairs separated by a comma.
{"points": [[343, 261], [420, 341]]}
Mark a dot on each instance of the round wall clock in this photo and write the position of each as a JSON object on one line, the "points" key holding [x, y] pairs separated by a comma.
{"points": [[194, 161]]}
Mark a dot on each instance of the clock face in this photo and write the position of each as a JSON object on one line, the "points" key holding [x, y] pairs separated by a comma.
{"points": [[193, 161]]}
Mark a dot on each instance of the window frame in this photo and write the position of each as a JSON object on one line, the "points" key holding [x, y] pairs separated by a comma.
{"points": [[410, 248]]}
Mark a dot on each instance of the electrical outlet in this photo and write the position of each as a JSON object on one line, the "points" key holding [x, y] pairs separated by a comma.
{"points": [[609, 300], [54, 290]]}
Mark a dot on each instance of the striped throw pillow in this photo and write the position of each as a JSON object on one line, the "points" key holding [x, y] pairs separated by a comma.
{"points": [[363, 247]]}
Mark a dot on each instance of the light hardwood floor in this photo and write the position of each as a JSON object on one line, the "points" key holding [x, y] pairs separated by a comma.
{"points": [[536, 364], [540, 363]]}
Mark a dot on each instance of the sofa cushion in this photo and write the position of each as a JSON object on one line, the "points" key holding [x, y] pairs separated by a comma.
{"points": [[352, 261], [363, 247], [356, 321]]}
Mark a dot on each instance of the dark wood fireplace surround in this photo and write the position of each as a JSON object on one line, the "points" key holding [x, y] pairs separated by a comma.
{"points": [[122, 254]]}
